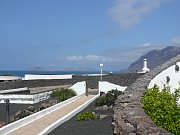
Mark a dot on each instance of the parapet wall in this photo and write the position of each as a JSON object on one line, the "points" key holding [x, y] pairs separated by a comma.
{"points": [[129, 116], [92, 81]]}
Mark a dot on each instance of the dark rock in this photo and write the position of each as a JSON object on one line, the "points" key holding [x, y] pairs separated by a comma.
{"points": [[31, 108], [98, 116], [2, 123], [28, 112], [102, 116], [53, 102], [18, 114], [98, 108], [105, 107], [110, 107], [12, 118], [131, 134], [43, 106]]}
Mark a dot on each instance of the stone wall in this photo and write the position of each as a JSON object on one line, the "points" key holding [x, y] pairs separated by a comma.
{"points": [[119, 79], [129, 116]]}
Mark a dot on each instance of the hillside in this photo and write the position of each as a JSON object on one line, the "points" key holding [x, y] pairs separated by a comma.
{"points": [[155, 58]]}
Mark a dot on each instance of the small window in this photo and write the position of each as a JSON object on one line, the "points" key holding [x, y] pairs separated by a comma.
{"points": [[176, 68], [167, 79]]}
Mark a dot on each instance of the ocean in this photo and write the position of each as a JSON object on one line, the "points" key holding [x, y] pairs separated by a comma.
{"points": [[22, 73]]}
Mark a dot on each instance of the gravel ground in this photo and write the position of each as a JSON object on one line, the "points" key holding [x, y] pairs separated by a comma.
{"points": [[16, 107], [92, 127]]}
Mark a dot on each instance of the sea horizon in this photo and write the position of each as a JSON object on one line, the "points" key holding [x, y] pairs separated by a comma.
{"points": [[22, 73]]}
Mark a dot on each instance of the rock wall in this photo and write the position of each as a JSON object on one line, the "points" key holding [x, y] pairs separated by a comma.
{"points": [[129, 116], [92, 81]]}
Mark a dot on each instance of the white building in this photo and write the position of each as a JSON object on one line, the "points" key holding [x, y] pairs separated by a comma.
{"points": [[145, 69]]}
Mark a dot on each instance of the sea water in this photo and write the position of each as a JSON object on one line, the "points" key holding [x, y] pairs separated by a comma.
{"points": [[22, 73]]}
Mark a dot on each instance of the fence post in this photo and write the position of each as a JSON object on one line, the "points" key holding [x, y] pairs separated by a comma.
{"points": [[86, 88], [7, 111]]}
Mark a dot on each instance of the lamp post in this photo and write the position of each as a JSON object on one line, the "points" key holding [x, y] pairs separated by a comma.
{"points": [[7, 111], [101, 66]]}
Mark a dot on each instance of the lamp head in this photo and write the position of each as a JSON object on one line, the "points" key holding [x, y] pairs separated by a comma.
{"points": [[101, 65]]}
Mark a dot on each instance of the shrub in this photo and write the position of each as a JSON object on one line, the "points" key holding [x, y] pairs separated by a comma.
{"points": [[108, 99], [86, 116], [63, 94], [163, 109], [100, 101]]}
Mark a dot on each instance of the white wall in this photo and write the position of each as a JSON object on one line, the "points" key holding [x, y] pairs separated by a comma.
{"points": [[13, 90], [6, 78], [41, 77], [79, 88], [14, 98], [160, 79], [25, 99], [106, 86]]}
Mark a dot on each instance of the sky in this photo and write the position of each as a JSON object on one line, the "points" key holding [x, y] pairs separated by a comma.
{"points": [[80, 34]]}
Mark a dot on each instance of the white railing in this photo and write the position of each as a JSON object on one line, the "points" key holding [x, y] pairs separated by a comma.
{"points": [[25, 99]]}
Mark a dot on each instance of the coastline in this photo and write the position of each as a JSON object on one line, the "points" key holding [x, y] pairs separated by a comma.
{"points": [[22, 73]]}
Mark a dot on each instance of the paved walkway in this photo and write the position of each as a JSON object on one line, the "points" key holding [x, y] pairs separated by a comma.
{"points": [[38, 125]]}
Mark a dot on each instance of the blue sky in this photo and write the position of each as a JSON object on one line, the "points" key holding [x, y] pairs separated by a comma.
{"points": [[81, 34]]}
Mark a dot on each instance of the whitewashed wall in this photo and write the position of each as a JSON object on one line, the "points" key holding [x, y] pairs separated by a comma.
{"points": [[79, 88], [19, 99], [13, 90], [46, 77], [25, 99], [7, 78], [160, 79], [106, 86]]}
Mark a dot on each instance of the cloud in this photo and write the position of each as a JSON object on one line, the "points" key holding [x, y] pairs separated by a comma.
{"points": [[128, 13], [131, 54], [145, 45], [117, 55], [88, 58], [176, 40]]}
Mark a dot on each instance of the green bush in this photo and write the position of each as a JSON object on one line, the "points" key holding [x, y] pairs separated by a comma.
{"points": [[86, 116], [63, 94], [108, 99], [100, 101], [163, 109]]}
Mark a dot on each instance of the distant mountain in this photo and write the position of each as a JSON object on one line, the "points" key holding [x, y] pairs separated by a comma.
{"points": [[38, 69], [80, 69], [155, 58]]}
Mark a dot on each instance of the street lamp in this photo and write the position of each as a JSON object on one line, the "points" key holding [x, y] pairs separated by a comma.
{"points": [[101, 66]]}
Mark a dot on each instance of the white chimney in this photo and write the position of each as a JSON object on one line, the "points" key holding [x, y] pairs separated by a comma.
{"points": [[145, 68]]}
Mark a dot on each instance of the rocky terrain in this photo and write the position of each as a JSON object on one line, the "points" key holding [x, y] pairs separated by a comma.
{"points": [[155, 58]]}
